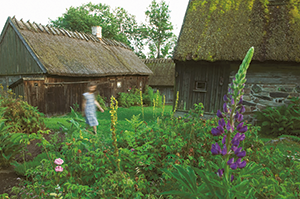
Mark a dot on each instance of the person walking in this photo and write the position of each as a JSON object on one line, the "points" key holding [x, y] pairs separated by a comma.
{"points": [[89, 104]]}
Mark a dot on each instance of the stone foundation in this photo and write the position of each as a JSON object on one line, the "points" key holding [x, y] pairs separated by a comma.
{"points": [[259, 96]]}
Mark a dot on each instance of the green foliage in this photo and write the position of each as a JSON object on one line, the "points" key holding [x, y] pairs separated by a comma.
{"points": [[149, 96], [155, 157], [11, 144], [129, 99], [158, 31], [20, 116], [280, 120], [21, 168], [101, 100], [116, 24]]}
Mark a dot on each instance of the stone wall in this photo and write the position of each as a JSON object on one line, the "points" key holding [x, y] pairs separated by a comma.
{"points": [[260, 96]]}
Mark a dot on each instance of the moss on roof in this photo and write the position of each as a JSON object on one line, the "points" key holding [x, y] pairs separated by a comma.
{"points": [[225, 29], [69, 53]]}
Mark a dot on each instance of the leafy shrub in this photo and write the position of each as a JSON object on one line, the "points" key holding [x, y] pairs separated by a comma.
{"points": [[280, 120], [101, 100], [129, 99], [21, 168], [10, 144], [149, 96], [21, 117]]}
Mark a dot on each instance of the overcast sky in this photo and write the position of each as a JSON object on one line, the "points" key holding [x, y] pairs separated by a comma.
{"points": [[40, 11]]}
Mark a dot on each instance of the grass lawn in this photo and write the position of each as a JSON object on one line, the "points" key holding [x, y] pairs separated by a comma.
{"points": [[53, 123]]}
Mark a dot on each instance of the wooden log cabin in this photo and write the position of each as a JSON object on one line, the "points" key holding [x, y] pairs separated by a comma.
{"points": [[163, 77], [51, 67], [213, 41]]}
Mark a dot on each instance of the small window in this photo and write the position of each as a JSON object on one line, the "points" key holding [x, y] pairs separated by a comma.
{"points": [[119, 84], [36, 84], [200, 86]]}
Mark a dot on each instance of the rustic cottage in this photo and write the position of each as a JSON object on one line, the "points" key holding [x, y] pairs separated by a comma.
{"points": [[163, 77], [214, 39], [51, 67]]}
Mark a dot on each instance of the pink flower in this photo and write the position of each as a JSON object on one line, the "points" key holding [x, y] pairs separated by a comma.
{"points": [[58, 161], [59, 169]]}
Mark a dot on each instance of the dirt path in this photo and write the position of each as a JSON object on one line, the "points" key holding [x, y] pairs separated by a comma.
{"points": [[8, 179]]}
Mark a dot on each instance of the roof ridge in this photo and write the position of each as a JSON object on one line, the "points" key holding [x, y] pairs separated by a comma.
{"points": [[158, 60], [51, 30]]}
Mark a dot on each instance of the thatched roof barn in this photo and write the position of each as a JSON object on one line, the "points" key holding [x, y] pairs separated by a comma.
{"points": [[214, 39], [66, 61], [163, 77]]}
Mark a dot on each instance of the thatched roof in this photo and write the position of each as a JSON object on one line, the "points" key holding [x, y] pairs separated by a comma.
{"points": [[163, 72], [67, 53], [225, 30]]}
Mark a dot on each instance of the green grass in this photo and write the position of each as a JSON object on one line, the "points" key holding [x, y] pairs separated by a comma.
{"points": [[104, 118]]}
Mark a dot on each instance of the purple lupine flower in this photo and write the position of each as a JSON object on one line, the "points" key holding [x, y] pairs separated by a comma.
{"points": [[232, 101], [225, 98], [237, 150], [219, 114], [225, 109], [229, 127], [222, 122], [217, 131], [233, 166], [233, 148], [215, 149], [220, 172], [230, 161], [242, 110], [224, 150], [241, 101], [242, 164], [242, 137], [224, 139], [236, 140], [240, 118], [241, 154], [232, 178], [240, 128]]}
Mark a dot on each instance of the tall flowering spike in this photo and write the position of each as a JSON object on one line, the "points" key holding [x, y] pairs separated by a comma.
{"points": [[233, 110], [215, 149], [219, 114], [240, 128], [222, 122], [224, 150]]}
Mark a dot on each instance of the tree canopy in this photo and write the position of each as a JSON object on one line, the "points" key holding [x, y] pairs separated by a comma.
{"points": [[121, 26], [158, 31]]}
